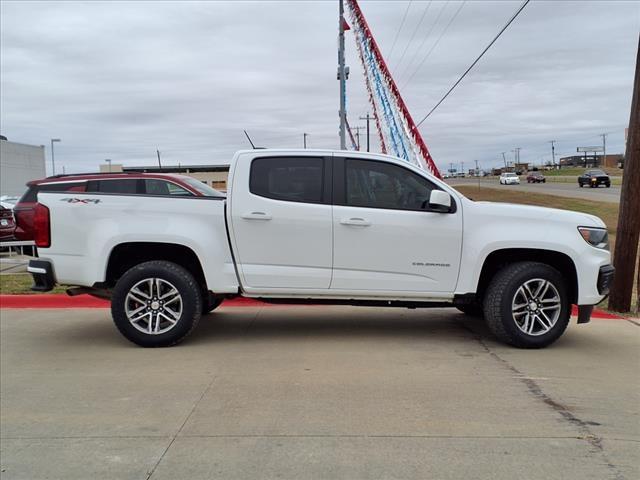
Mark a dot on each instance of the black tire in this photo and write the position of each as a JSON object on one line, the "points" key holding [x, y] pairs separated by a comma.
{"points": [[170, 274], [580, 184], [502, 292], [471, 309], [608, 185]]}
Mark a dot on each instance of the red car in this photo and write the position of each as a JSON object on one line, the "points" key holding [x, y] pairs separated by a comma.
{"points": [[7, 224], [536, 177], [147, 184]]}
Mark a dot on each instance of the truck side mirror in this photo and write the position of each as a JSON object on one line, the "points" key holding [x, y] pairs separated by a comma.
{"points": [[439, 201]]}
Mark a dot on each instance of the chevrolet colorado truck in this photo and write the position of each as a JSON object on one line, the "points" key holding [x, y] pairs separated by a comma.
{"points": [[315, 226]]}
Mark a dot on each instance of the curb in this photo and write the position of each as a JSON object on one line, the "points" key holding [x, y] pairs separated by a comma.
{"points": [[62, 300]]}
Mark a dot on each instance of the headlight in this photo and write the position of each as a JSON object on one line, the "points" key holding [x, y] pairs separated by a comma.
{"points": [[596, 237]]}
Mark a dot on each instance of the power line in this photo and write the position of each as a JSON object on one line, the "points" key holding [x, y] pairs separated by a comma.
{"points": [[424, 40], [395, 40], [515, 15], [415, 30], [434, 45]]}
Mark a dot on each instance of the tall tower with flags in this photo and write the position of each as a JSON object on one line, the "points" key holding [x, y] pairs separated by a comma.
{"points": [[399, 135]]}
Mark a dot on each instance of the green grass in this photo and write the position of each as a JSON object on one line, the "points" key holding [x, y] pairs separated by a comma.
{"points": [[19, 283]]}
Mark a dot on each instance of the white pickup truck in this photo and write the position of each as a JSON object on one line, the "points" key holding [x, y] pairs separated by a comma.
{"points": [[312, 226]]}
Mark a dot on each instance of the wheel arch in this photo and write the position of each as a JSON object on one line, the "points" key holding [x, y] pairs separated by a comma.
{"points": [[126, 255], [497, 259]]}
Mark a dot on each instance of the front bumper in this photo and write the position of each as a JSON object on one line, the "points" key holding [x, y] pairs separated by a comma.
{"points": [[605, 278], [42, 273]]}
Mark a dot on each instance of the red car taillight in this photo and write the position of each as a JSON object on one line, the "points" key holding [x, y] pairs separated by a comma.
{"points": [[41, 226]]}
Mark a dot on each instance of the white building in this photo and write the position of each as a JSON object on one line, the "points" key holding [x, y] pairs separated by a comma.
{"points": [[19, 163]]}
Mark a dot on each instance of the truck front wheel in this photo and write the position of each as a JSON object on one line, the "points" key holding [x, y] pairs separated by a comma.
{"points": [[527, 305], [156, 304]]}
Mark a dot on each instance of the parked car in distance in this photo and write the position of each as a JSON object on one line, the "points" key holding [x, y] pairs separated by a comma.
{"points": [[536, 177], [594, 178], [144, 184], [508, 178], [7, 224]]}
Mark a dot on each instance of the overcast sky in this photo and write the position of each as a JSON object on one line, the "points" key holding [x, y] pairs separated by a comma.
{"points": [[119, 79]]}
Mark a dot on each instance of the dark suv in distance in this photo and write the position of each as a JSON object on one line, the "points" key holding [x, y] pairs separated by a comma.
{"points": [[594, 178], [120, 183]]}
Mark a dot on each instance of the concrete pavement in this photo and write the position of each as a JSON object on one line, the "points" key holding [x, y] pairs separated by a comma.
{"points": [[571, 190], [316, 392]]}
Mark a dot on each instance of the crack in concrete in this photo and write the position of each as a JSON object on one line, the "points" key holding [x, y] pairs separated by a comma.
{"points": [[594, 440], [175, 435]]}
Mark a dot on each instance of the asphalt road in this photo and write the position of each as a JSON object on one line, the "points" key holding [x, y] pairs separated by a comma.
{"points": [[602, 194], [316, 392]]}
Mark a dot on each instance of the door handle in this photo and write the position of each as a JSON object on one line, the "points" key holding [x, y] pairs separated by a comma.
{"points": [[355, 221], [256, 216]]}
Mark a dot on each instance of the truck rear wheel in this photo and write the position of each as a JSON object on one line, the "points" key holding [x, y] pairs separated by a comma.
{"points": [[156, 304], [527, 305]]}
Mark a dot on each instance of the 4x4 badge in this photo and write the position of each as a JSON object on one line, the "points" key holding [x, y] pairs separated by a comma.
{"points": [[80, 200]]}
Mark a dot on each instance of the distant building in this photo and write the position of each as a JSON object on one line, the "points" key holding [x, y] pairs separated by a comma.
{"points": [[213, 175], [591, 160], [19, 163]]}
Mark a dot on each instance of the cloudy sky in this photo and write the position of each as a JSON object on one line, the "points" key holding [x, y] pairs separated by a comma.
{"points": [[119, 79]]}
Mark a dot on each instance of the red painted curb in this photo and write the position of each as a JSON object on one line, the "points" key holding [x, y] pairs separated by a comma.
{"points": [[597, 313], [61, 300]]}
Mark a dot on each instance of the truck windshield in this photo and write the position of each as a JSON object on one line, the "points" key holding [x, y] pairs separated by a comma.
{"points": [[202, 188]]}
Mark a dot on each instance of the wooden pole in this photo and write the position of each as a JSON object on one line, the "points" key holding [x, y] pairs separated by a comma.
{"points": [[628, 232]]}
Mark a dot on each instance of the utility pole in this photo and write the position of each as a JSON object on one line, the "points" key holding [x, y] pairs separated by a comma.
{"points": [[53, 157], [342, 77], [451, 168], [553, 152], [304, 139], [517, 150], [367, 118], [158, 153], [504, 159], [628, 231], [604, 148], [462, 167], [357, 129]]}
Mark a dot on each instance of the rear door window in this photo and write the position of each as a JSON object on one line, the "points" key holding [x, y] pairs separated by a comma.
{"points": [[293, 179], [123, 186]]}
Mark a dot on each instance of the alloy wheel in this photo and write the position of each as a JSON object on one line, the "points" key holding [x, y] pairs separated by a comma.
{"points": [[153, 306], [536, 306]]}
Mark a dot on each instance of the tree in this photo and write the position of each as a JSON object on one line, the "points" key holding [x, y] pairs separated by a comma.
{"points": [[628, 232]]}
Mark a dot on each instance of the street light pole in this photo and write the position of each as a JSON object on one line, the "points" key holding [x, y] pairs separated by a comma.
{"points": [[53, 158]]}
